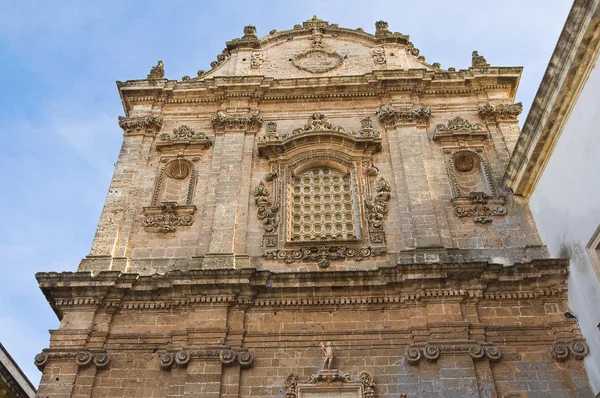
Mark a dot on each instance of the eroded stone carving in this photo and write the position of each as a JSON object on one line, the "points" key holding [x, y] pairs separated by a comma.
{"points": [[149, 124], [270, 133], [500, 112], [291, 385], [100, 359], [168, 216], [317, 61], [157, 71], [480, 206], [318, 122], [381, 28], [377, 209], [378, 55], [561, 350], [458, 124], [257, 58], [248, 122], [391, 116], [323, 255], [478, 61], [267, 213], [184, 134], [367, 129]]}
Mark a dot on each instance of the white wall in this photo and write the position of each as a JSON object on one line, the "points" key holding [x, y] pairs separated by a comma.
{"points": [[566, 208]]}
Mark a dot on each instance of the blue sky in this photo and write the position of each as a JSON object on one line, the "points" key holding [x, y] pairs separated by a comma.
{"points": [[58, 65]]}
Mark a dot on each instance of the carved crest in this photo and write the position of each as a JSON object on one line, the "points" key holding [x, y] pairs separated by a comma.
{"points": [[317, 61]]}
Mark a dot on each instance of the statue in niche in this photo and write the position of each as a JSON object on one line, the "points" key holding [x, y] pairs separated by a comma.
{"points": [[329, 354]]}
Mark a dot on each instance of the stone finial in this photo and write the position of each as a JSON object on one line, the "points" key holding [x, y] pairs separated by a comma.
{"points": [[381, 28], [314, 23], [157, 71], [478, 61], [249, 32]]}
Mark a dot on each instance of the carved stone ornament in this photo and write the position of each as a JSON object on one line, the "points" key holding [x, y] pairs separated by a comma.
{"points": [[500, 112], [319, 122], [377, 208], [392, 116], [432, 351], [147, 125], [257, 58], [331, 383], [478, 61], [270, 133], [381, 28], [228, 357], [184, 135], [267, 213], [222, 121], [459, 127], [324, 255], [378, 55], [99, 359], [168, 216], [480, 206], [561, 350], [317, 61], [157, 71]]}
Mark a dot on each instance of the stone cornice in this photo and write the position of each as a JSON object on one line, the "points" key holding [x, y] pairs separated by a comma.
{"points": [[419, 81], [534, 280], [570, 65]]}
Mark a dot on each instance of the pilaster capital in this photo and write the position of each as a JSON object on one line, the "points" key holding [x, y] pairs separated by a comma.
{"points": [[500, 112], [389, 116]]}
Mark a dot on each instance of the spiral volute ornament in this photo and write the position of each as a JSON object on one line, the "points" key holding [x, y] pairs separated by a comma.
{"points": [[182, 358], [431, 352], [227, 357], [560, 351], [579, 349], [476, 351], [40, 360], [166, 361], [413, 355], [245, 359], [493, 353], [101, 360], [83, 358]]}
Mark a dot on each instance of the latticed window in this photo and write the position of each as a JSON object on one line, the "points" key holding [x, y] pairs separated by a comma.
{"points": [[323, 206]]}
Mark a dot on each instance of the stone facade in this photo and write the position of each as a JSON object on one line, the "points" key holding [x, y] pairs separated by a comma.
{"points": [[319, 184]]}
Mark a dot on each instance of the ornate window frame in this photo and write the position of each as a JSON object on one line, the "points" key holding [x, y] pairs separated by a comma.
{"points": [[301, 150]]}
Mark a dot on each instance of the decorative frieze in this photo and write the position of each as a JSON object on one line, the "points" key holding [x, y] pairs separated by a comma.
{"points": [[99, 359], [431, 351], [500, 112], [168, 216], [561, 350], [228, 357], [324, 255], [222, 121], [480, 206], [392, 116], [184, 135], [145, 125], [459, 128]]}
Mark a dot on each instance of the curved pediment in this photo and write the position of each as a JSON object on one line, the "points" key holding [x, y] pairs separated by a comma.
{"points": [[316, 48], [318, 131]]}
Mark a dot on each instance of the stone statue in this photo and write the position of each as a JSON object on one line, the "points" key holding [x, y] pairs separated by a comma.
{"points": [[328, 351]]}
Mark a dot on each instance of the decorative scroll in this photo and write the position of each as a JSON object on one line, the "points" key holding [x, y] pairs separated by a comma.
{"points": [[391, 116], [377, 208], [480, 206], [184, 134], [267, 212], [432, 351], [561, 350], [324, 255], [168, 216], [227, 357], [99, 359], [247, 122]]}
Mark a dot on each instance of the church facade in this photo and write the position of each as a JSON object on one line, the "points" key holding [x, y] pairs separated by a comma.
{"points": [[321, 214]]}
